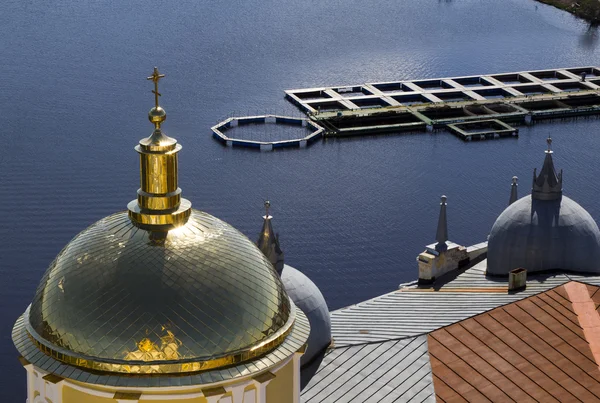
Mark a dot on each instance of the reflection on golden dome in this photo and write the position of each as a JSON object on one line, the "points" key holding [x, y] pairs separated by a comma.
{"points": [[121, 298], [160, 288]]}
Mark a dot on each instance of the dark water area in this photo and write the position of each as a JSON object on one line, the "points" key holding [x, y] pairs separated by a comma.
{"points": [[352, 213]]}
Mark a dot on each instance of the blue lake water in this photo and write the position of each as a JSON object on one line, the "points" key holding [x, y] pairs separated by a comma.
{"points": [[352, 213]]}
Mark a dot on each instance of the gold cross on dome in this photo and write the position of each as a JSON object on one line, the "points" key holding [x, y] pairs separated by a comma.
{"points": [[155, 77]]}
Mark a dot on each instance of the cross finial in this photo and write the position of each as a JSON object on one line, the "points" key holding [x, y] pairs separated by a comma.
{"points": [[155, 77], [267, 206], [549, 141]]}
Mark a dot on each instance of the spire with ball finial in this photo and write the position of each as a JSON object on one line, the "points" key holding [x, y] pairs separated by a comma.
{"points": [[159, 205], [268, 241], [513, 190], [547, 185], [442, 228]]}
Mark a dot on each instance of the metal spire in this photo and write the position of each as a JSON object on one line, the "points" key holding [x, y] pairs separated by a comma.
{"points": [[547, 185], [513, 190], [268, 242], [442, 228]]}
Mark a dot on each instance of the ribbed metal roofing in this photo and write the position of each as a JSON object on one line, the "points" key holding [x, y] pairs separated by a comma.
{"points": [[381, 349], [413, 311], [292, 343], [391, 371]]}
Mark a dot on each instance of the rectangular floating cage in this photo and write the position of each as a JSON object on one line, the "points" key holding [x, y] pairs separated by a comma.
{"points": [[351, 92], [483, 130], [393, 87], [512, 78], [550, 75], [473, 82], [432, 103]]}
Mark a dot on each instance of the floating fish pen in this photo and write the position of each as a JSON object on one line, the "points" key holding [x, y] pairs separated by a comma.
{"points": [[517, 98], [219, 132], [482, 130]]}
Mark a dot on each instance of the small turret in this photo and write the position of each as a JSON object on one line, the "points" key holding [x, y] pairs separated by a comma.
{"points": [[547, 185], [443, 256], [442, 228], [268, 242], [513, 190]]}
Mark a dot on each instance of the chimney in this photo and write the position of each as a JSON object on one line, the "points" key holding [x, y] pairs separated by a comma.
{"points": [[517, 279]]}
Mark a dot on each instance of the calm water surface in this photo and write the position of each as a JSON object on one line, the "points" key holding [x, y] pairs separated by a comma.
{"points": [[352, 214]]}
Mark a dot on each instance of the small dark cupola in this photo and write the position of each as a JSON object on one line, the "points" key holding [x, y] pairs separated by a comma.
{"points": [[268, 242], [547, 185]]}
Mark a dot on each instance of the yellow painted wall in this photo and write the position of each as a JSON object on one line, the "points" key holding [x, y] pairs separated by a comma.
{"points": [[281, 389], [196, 400], [71, 395]]}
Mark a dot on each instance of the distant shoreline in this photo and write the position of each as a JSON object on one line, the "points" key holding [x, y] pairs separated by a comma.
{"points": [[588, 10]]}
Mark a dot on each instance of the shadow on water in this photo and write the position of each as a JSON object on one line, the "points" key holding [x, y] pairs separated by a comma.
{"points": [[589, 39]]}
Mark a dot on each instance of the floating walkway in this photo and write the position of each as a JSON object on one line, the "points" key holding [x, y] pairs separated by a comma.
{"points": [[220, 129], [450, 103]]}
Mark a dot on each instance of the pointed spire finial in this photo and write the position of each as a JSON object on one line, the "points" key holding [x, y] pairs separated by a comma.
{"points": [[442, 228], [513, 190], [268, 241], [547, 185]]}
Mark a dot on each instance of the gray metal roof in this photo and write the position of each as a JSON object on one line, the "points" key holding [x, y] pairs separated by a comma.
{"points": [[593, 280], [391, 371], [413, 311], [475, 278], [381, 352]]}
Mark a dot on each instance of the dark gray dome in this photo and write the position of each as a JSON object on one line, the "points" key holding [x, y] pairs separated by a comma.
{"points": [[541, 235], [307, 296]]}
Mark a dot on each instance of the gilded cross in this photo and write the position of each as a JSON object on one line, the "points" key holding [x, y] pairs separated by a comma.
{"points": [[155, 77]]}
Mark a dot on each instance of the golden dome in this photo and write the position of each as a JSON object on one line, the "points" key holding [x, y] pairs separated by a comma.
{"points": [[160, 288], [124, 299]]}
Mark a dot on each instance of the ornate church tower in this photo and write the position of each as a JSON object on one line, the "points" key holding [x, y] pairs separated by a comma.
{"points": [[161, 303]]}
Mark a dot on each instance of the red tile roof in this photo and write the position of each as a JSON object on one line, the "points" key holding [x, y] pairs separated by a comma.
{"points": [[536, 349]]}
